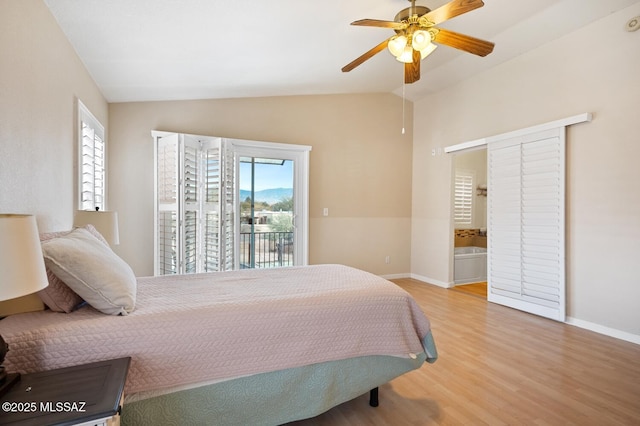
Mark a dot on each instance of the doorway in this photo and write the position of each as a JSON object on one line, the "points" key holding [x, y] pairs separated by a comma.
{"points": [[470, 221]]}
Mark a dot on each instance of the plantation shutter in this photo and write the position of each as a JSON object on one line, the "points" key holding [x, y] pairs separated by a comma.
{"points": [[463, 198], [190, 236], [191, 177], [229, 210], [168, 257], [526, 264], [92, 161]]}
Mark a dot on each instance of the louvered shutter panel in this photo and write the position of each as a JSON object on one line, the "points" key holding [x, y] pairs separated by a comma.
{"points": [[191, 185], [504, 220], [167, 193], [212, 160], [526, 223], [92, 162], [228, 199]]}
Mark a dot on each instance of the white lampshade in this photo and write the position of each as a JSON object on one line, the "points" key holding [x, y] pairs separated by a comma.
{"points": [[105, 222], [22, 269], [420, 39], [397, 45], [427, 50], [406, 56]]}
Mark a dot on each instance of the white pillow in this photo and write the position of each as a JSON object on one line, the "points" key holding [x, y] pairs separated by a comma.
{"points": [[92, 270]]}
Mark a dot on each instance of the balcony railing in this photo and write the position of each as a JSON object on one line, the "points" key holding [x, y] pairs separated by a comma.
{"points": [[267, 250]]}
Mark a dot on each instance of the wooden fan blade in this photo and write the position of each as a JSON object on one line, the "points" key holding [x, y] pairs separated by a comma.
{"points": [[464, 42], [452, 9], [380, 24], [412, 70], [351, 65]]}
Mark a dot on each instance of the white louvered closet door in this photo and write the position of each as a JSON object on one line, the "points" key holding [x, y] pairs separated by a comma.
{"points": [[526, 217]]}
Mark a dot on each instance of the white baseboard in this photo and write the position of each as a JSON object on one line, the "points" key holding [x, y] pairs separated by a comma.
{"points": [[396, 276], [426, 280], [431, 281], [612, 332], [607, 331]]}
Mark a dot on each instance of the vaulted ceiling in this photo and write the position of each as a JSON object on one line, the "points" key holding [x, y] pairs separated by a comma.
{"points": [[139, 50]]}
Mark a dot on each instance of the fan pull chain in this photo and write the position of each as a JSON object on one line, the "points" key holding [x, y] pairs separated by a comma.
{"points": [[403, 102]]}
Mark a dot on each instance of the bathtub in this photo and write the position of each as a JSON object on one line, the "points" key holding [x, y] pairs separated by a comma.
{"points": [[469, 265]]}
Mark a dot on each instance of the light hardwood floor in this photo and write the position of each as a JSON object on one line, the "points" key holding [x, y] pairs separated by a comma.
{"points": [[499, 366]]}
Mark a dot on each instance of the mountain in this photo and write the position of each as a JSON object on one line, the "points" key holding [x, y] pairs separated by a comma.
{"points": [[269, 196]]}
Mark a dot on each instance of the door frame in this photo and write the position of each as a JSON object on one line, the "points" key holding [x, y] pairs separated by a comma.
{"points": [[483, 142], [299, 154]]}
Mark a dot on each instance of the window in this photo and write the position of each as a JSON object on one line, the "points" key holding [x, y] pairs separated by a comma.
{"points": [[200, 222], [463, 198], [92, 167]]}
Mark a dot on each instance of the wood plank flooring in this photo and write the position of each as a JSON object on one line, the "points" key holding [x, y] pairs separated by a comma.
{"points": [[499, 366], [477, 289]]}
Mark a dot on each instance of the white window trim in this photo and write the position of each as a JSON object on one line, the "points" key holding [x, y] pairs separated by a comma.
{"points": [[85, 116]]}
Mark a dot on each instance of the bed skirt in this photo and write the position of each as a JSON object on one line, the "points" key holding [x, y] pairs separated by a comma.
{"points": [[272, 398]]}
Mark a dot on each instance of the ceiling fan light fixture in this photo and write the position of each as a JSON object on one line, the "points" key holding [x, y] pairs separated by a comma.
{"points": [[420, 40], [427, 50], [397, 45], [406, 56]]}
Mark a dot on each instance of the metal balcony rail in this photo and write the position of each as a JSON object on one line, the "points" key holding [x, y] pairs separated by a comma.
{"points": [[266, 249]]}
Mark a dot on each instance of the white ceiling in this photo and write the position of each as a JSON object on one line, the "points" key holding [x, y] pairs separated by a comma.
{"points": [[138, 50]]}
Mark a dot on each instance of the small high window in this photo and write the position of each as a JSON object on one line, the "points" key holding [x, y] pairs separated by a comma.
{"points": [[92, 161]]}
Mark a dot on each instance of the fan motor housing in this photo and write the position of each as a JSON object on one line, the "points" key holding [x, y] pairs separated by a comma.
{"points": [[404, 14]]}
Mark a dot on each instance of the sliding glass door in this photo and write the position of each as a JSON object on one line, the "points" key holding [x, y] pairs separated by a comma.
{"points": [[266, 212]]}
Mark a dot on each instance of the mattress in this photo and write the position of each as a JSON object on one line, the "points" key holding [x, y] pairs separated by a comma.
{"points": [[209, 328]]}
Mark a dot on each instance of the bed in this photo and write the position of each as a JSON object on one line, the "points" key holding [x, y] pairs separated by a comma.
{"points": [[246, 347]]}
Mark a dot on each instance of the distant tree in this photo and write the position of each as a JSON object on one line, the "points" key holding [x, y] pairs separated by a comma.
{"points": [[281, 223], [284, 205]]}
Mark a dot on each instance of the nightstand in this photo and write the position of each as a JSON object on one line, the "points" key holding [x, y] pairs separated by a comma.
{"points": [[87, 395]]}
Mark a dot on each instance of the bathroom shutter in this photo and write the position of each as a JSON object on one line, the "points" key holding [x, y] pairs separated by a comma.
{"points": [[526, 262], [463, 198]]}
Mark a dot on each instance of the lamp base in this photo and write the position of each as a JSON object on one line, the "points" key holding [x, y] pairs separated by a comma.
{"points": [[7, 382]]}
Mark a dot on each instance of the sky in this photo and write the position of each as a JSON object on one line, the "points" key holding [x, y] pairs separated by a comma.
{"points": [[267, 176]]}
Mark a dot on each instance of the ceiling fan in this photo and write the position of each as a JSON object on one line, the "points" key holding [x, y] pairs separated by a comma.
{"points": [[415, 29]]}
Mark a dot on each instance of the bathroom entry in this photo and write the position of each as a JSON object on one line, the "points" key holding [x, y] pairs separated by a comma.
{"points": [[470, 219]]}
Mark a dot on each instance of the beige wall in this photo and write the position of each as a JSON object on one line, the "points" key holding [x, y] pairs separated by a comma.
{"points": [[592, 70], [40, 79], [360, 168]]}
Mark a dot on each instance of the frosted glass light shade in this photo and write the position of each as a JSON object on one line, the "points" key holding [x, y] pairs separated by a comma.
{"points": [[397, 45], [21, 260], [105, 222], [427, 50], [420, 40], [406, 56]]}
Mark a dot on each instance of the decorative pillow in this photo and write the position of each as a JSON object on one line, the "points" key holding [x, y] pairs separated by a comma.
{"points": [[92, 270], [57, 295]]}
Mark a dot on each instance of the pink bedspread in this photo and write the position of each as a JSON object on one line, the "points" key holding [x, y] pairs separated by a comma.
{"points": [[204, 327]]}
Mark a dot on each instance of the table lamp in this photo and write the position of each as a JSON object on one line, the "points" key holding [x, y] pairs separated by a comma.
{"points": [[22, 271], [106, 222]]}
